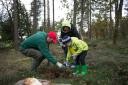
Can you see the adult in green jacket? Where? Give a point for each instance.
(77, 51)
(37, 47)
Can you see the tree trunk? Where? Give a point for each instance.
(89, 30)
(118, 16)
(48, 10)
(111, 22)
(44, 15)
(81, 23)
(53, 15)
(35, 19)
(15, 3)
(75, 10)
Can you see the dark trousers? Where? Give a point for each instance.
(80, 59)
(65, 49)
(36, 55)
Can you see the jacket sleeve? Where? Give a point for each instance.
(46, 53)
(79, 46)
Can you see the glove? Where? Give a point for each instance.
(66, 64)
(60, 39)
(74, 56)
(60, 65)
(62, 45)
(72, 66)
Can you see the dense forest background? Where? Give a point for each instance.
(102, 19)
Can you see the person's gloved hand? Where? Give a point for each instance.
(66, 64)
(60, 65)
(72, 66)
(74, 56)
(63, 45)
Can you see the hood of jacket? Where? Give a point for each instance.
(66, 23)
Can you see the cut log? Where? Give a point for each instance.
(33, 81)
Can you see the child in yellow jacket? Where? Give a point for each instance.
(77, 50)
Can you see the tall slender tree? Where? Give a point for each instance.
(75, 12)
(44, 15)
(53, 15)
(35, 19)
(118, 16)
(111, 21)
(35, 10)
(15, 4)
(48, 14)
(82, 13)
(90, 13)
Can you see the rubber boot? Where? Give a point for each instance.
(84, 70)
(77, 70)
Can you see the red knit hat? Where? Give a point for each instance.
(53, 36)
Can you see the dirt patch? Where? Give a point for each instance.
(52, 73)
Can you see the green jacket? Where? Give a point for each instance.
(77, 46)
(38, 41)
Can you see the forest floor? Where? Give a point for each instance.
(107, 65)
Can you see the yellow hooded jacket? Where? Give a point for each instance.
(77, 46)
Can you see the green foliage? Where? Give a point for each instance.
(6, 44)
(38, 7)
(24, 21)
(6, 24)
(6, 30)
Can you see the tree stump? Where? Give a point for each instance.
(33, 81)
